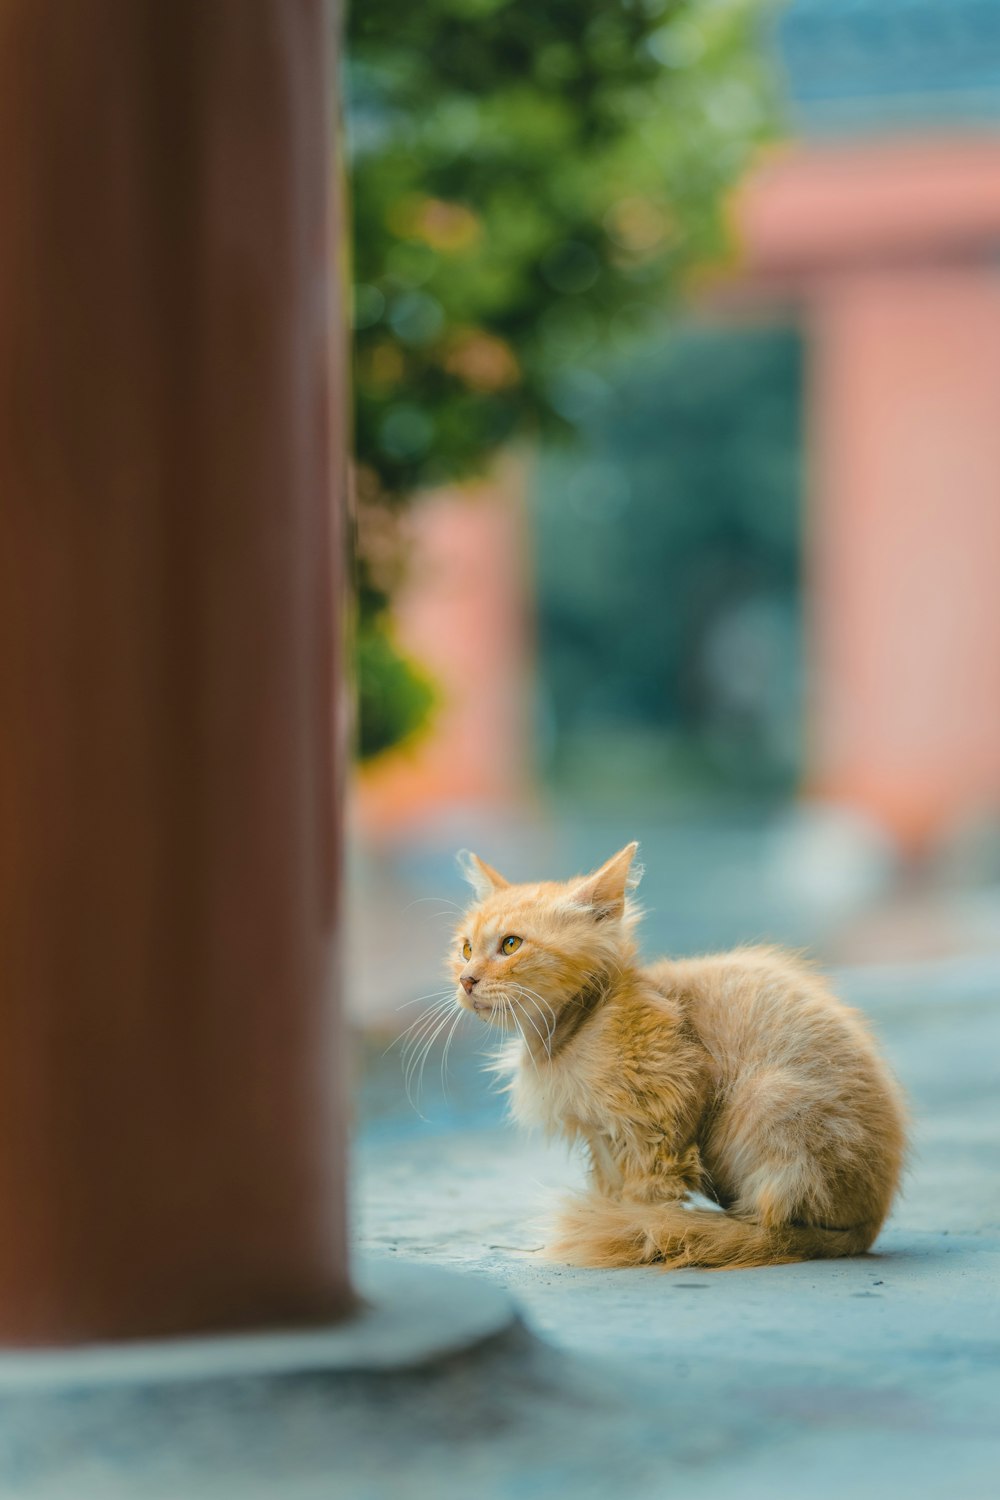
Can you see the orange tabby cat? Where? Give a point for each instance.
(738, 1076)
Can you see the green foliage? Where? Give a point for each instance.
(395, 697)
(533, 180)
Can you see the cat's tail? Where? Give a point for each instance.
(597, 1231)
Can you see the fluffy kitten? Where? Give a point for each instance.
(738, 1076)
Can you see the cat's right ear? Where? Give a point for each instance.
(605, 890)
(481, 876)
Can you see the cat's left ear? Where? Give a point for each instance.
(604, 890)
(481, 876)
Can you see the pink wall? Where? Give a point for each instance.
(904, 547)
(888, 250)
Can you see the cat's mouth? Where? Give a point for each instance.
(480, 1005)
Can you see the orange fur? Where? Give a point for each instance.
(739, 1076)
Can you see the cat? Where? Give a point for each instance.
(739, 1077)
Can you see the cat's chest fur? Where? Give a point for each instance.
(565, 1094)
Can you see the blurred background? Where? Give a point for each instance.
(677, 369)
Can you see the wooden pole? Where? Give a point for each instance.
(171, 1136)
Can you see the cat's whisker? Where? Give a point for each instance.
(439, 1004)
(436, 996)
(414, 1040)
(527, 990)
(516, 1013)
(420, 900)
(506, 1007)
(545, 1040)
(419, 1062)
(534, 995)
(444, 1055)
(431, 995)
(527, 1047)
(431, 1021)
(407, 1035)
(414, 1035)
(508, 1003)
(499, 1012)
(443, 1002)
(534, 1026)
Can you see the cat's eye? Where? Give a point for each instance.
(510, 944)
(467, 950)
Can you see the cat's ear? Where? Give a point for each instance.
(481, 876)
(604, 890)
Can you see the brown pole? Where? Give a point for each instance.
(171, 1141)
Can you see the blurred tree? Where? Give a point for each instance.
(532, 181)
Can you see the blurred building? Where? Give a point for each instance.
(881, 228)
(874, 234)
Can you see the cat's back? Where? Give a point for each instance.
(761, 1007)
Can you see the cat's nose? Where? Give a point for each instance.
(468, 984)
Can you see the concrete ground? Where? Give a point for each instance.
(872, 1377)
